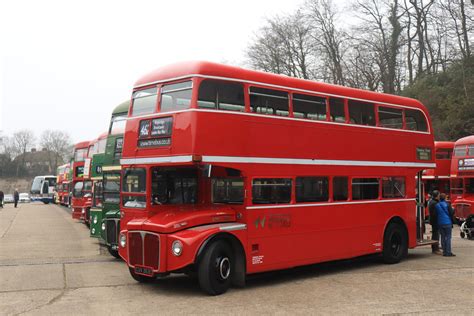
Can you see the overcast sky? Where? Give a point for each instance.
(66, 64)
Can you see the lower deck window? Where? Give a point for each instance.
(393, 187)
(340, 188)
(228, 191)
(312, 189)
(271, 191)
(365, 188)
(457, 186)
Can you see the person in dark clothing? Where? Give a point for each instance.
(434, 221)
(2, 196)
(445, 224)
(16, 197)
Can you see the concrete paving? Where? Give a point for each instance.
(50, 266)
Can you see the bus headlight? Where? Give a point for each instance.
(95, 219)
(103, 226)
(83, 210)
(123, 240)
(93, 231)
(177, 248)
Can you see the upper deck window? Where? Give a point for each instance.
(336, 110)
(460, 151)
(117, 125)
(415, 121)
(390, 117)
(340, 188)
(221, 95)
(309, 107)
(144, 101)
(267, 101)
(176, 96)
(470, 150)
(80, 154)
(361, 113)
(443, 153)
(101, 146)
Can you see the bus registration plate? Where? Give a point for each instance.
(144, 270)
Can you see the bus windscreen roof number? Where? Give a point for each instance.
(155, 133)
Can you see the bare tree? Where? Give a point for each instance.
(57, 145)
(327, 38)
(22, 141)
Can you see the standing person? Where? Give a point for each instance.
(434, 222)
(16, 197)
(445, 224)
(2, 196)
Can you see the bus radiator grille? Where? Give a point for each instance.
(152, 251)
(111, 232)
(135, 248)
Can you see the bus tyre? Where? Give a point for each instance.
(113, 252)
(395, 243)
(215, 270)
(141, 278)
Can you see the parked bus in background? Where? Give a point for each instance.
(105, 218)
(93, 172)
(462, 178)
(438, 178)
(62, 184)
(81, 190)
(228, 172)
(43, 189)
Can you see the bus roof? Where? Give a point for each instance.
(208, 69)
(442, 144)
(121, 108)
(82, 145)
(102, 136)
(468, 140)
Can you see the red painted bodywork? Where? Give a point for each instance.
(78, 204)
(463, 200)
(298, 235)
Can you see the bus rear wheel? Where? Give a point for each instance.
(215, 270)
(141, 278)
(113, 252)
(395, 243)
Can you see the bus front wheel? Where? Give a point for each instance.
(113, 252)
(395, 243)
(215, 270)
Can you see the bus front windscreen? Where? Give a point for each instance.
(112, 188)
(174, 186)
(36, 185)
(77, 191)
(80, 154)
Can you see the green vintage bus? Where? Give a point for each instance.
(105, 216)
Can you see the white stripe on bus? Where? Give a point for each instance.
(283, 161)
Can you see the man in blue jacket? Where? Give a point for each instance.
(445, 224)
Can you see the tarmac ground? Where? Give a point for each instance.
(50, 266)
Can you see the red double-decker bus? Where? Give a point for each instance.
(82, 189)
(438, 178)
(462, 178)
(62, 184)
(228, 172)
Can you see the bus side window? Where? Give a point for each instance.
(415, 121)
(394, 187)
(340, 188)
(361, 113)
(336, 110)
(222, 95)
(390, 117)
(312, 189)
(267, 101)
(309, 107)
(365, 188)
